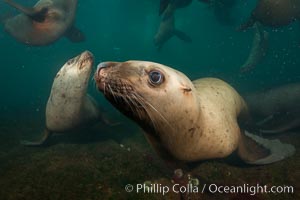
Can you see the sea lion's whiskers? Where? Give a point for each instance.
(127, 102)
(138, 105)
(118, 94)
(136, 108)
(151, 106)
(112, 92)
(134, 100)
(140, 100)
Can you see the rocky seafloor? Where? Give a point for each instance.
(98, 162)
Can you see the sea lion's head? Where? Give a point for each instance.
(76, 72)
(82, 63)
(153, 95)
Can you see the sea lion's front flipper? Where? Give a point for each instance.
(34, 14)
(181, 35)
(46, 135)
(75, 35)
(259, 151)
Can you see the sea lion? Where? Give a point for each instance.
(274, 13)
(44, 23)
(167, 7)
(277, 110)
(166, 31)
(69, 106)
(258, 50)
(189, 121)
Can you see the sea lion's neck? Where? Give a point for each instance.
(181, 125)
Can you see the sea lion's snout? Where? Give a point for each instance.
(101, 74)
(85, 59)
(102, 66)
(86, 55)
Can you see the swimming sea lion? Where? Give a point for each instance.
(189, 121)
(69, 106)
(277, 109)
(258, 50)
(274, 13)
(167, 30)
(168, 7)
(44, 23)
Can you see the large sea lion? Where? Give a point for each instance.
(258, 50)
(274, 13)
(44, 23)
(277, 109)
(167, 8)
(189, 121)
(69, 106)
(166, 31)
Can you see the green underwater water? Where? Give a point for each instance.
(121, 30)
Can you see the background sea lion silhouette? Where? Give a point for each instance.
(274, 13)
(44, 23)
(168, 7)
(167, 30)
(259, 49)
(277, 109)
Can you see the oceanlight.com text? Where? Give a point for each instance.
(211, 188)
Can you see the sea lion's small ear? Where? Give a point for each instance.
(185, 88)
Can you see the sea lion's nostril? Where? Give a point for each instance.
(102, 65)
(82, 65)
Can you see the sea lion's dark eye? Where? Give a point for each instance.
(156, 77)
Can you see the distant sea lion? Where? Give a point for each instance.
(167, 7)
(166, 31)
(258, 50)
(274, 13)
(277, 109)
(69, 106)
(44, 23)
(189, 121)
